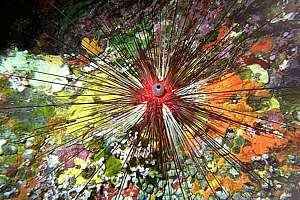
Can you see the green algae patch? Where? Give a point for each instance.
(113, 166)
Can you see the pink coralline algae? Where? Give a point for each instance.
(67, 155)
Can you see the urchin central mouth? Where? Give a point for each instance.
(158, 90)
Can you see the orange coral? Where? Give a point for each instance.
(237, 185)
(222, 32)
(260, 144)
(264, 46)
(240, 112)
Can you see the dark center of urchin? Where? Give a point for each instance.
(158, 89)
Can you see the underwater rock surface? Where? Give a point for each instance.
(85, 122)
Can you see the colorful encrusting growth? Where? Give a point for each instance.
(191, 100)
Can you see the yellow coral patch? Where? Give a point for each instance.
(195, 188)
(91, 46)
(74, 172)
(70, 172)
(274, 103)
(263, 74)
(54, 60)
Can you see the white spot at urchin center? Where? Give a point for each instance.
(158, 89)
